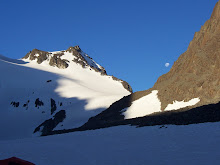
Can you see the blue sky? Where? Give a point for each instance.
(132, 39)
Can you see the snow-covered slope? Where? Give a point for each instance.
(123, 145)
(150, 104)
(32, 93)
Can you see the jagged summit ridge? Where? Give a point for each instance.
(62, 60)
(57, 58)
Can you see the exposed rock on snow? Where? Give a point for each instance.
(62, 59)
(50, 124)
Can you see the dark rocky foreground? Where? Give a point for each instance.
(202, 114)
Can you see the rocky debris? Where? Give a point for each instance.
(47, 126)
(53, 106)
(15, 104)
(38, 103)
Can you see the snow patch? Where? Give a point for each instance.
(150, 104)
(67, 56)
(143, 106)
(181, 104)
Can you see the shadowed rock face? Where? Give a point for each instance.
(50, 124)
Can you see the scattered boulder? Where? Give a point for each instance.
(38, 103)
(15, 104)
(53, 106)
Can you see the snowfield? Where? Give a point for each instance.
(143, 106)
(123, 145)
(150, 104)
(81, 92)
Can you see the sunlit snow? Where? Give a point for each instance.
(181, 104)
(143, 106)
(150, 104)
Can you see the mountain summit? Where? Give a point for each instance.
(62, 59)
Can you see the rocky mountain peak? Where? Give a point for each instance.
(196, 72)
(62, 60)
(216, 11)
(75, 48)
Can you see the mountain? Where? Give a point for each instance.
(188, 93)
(48, 91)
